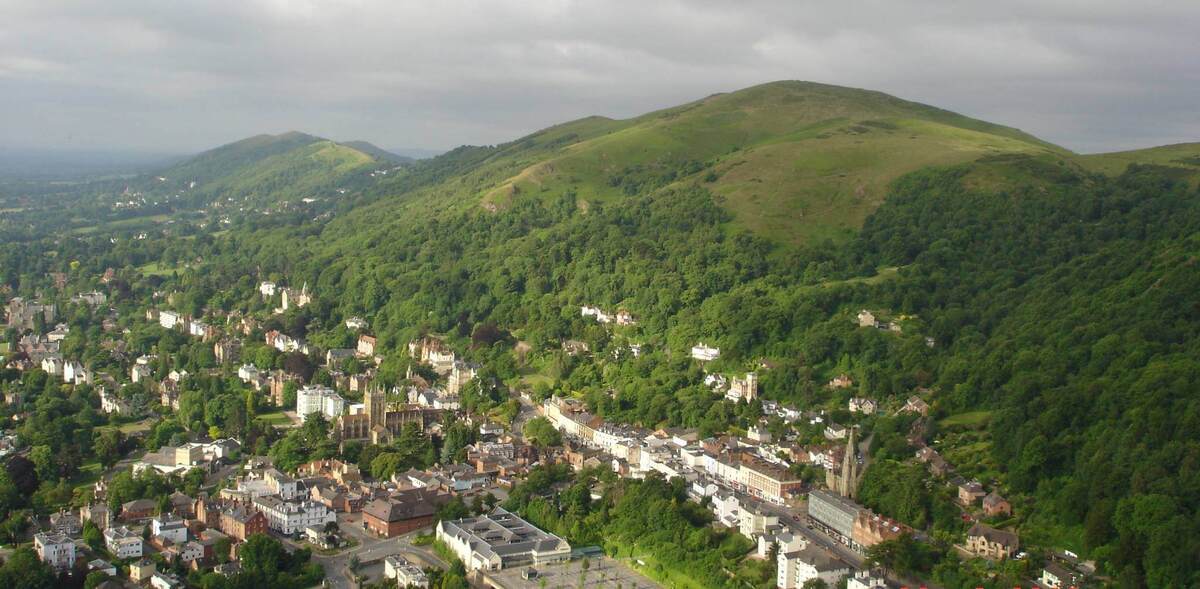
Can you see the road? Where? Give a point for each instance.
(369, 549)
(528, 411)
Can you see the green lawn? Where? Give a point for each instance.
(137, 426)
(89, 473)
(968, 420)
(156, 269)
(276, 419)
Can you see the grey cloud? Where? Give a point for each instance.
(187, 75)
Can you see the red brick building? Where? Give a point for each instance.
(242, 522)
(403, 512)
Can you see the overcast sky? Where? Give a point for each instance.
(179, 76)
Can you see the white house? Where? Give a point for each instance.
(191, 551)
(122, 542)
(796, 568)
(247, 372)
(52, 365)
(267, 289)
(861, 405)
(56, 550)
(291, 518)
(170, 528)
(75, 373)
(867, 579)
(704, 353)
(835, 431)
(405, 573)
(111, 403)
(168, 319)
(160, 580)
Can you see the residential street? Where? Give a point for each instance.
(369, 550)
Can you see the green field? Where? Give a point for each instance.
(275, 419)
(137, 426)
(157, 269)
(89, 473)
(967, 420)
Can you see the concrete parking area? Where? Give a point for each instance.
(602, 572)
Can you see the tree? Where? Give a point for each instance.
(94, 579)
(453, 509)
(904, 555)
(541, 433)
(221, 549)
(43, 461)
(261, 554)
(23, 473)
(24, 570)
(92, 536)
(386, 464)
(108, 446)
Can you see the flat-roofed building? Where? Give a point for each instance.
(833, 513)
(404, 572)
(501, 540)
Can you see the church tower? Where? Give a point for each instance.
(375, 401)
(848, 481)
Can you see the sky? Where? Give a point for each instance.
(182, 76)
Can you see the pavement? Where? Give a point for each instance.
(370, 550)
(528, 411)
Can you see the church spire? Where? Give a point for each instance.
(847, 483)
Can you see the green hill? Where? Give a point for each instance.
(1182, 158)
(377, 152)
(267, 168)
(793, 161)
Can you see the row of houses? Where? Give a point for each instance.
(634, 451)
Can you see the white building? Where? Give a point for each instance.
(191, 551)
(787, 541)
(405, 573)
(168, 319)
(867, 579)
(595, 312)
(56, 550)
(267, 289)
(704, 353)
(272, 482)
(861, 405)
(123, 542)
(160, 580)
(291, 518)
(247, 372)
(111, 403)
(52, 365)
(170, 528)
(796, 568)
(198, 328)
(75, 373)
(501, 540)
(319, 399)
